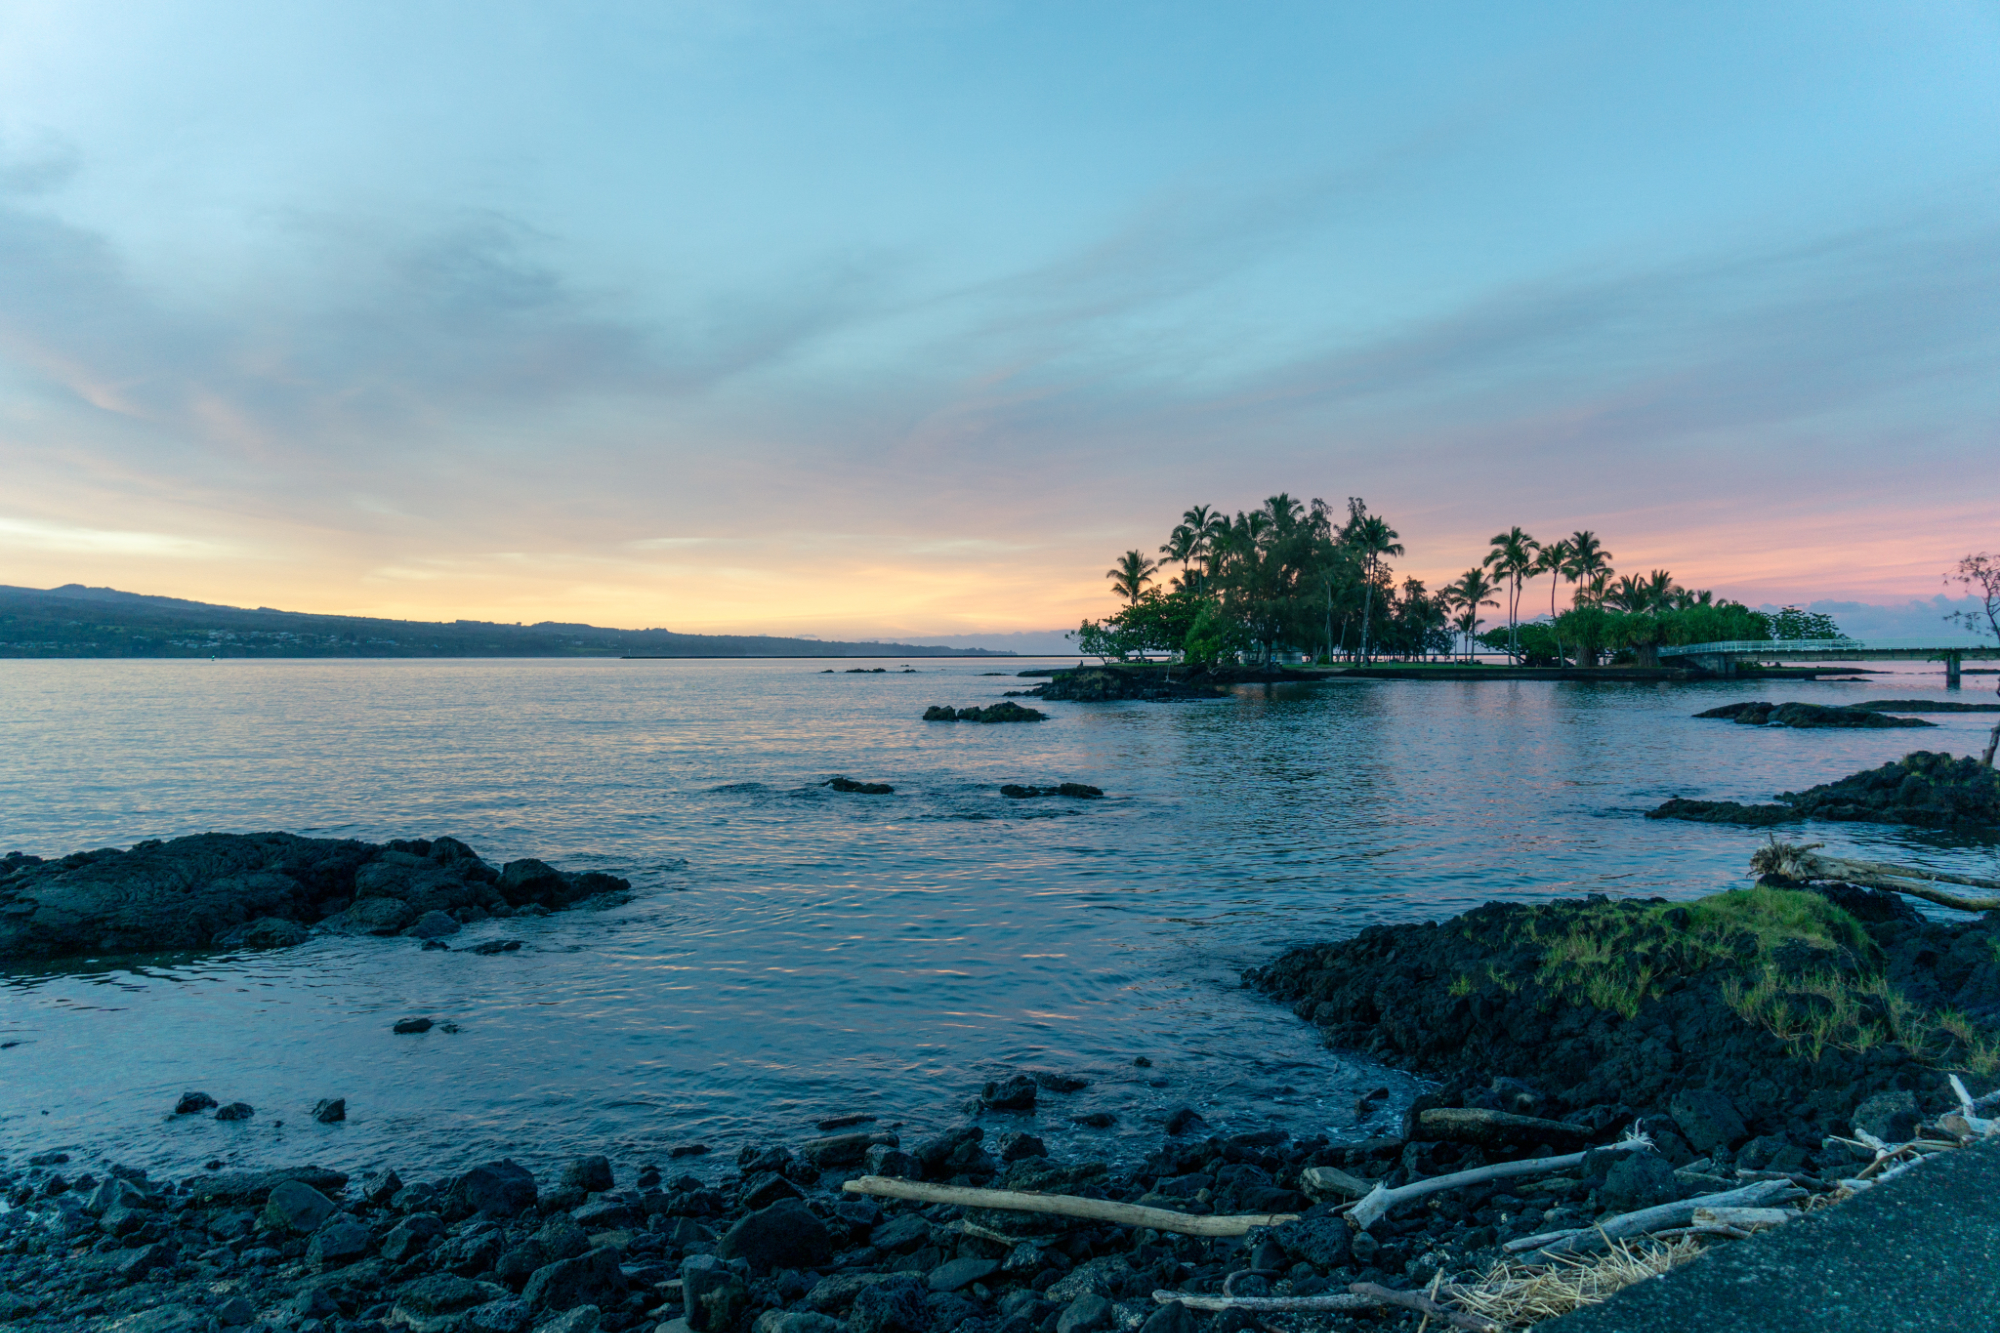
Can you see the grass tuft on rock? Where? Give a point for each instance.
(1791, 962)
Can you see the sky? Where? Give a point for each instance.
(906, 319)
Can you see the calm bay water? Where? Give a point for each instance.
(789, 953)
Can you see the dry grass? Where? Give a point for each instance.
(1518, 1295)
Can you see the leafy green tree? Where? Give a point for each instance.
(1792, 622)
(1589, 630)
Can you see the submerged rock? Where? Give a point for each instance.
(861, 788)
(263, 890)
(1110, 684)
(1922, 788)
(1075, 790)
(1000, 712)
(1762, 712)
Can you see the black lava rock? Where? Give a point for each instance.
(784, 1235)
(494, 1189)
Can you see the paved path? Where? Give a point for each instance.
(1920, 1253)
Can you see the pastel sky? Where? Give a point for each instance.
(854, 318)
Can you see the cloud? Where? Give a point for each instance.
(384, 332)
(28, 535)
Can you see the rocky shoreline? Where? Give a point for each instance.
(1923, 788)
(267, 890)
(1554, 1028)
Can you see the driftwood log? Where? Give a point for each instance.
(1758, 1194)
(1359, 1296)
(1802, 863)
(1380, 1200)
(1489, 1129)
(1067, 1205)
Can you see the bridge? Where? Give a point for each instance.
(1722, 657)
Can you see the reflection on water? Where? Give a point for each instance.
(791, 953)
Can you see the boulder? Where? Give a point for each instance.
(882, 1160)
(297, 1207)
(254, 1187)
(894, 1306)
(1321, 1241)
(591, 1175)
(1707, 1119)
(117, 1193)
(341, 1241)
(191, 1102)
(796, 1321)
(331, 1111)
(1014, 1146)
(711, 1295)
(1085, 1314)
(236, 1111)
(766, 1188)
(956, 1273)
(509, 1314)
(1014, 1094)
(1638, 1180)
(434, 925)
(593, 1278)
(495, 1189)
(136, 1264)
(531, 881)
(561, 1238)
(369, 916)
(1173, 1317)
(852, 787)
(426, 1304)
(784, 1235)
(583, 1319)
(266, 932)
(411, 1237)
(381, 1187)
(1890, 1116)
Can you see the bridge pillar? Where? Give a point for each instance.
(1952, 679)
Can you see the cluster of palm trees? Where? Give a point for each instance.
(1288, 573)
(1513, 558)
(1303, 575)
(1607, 610)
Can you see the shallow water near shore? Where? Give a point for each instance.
(789, 953)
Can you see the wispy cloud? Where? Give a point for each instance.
(24, 535)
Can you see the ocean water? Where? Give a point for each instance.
(789, 953)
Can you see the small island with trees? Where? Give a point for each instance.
(1303, 583)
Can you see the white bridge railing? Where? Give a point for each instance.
(1738, 646)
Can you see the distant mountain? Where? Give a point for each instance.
(75, 621)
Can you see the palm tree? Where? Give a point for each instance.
(1130, 576)
(1628, 594)
(1472, 591)
(1513, 559)
(1371, 536)
(1553, 560)
(1192, 541)
(1661, 591)
(1587, 559)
